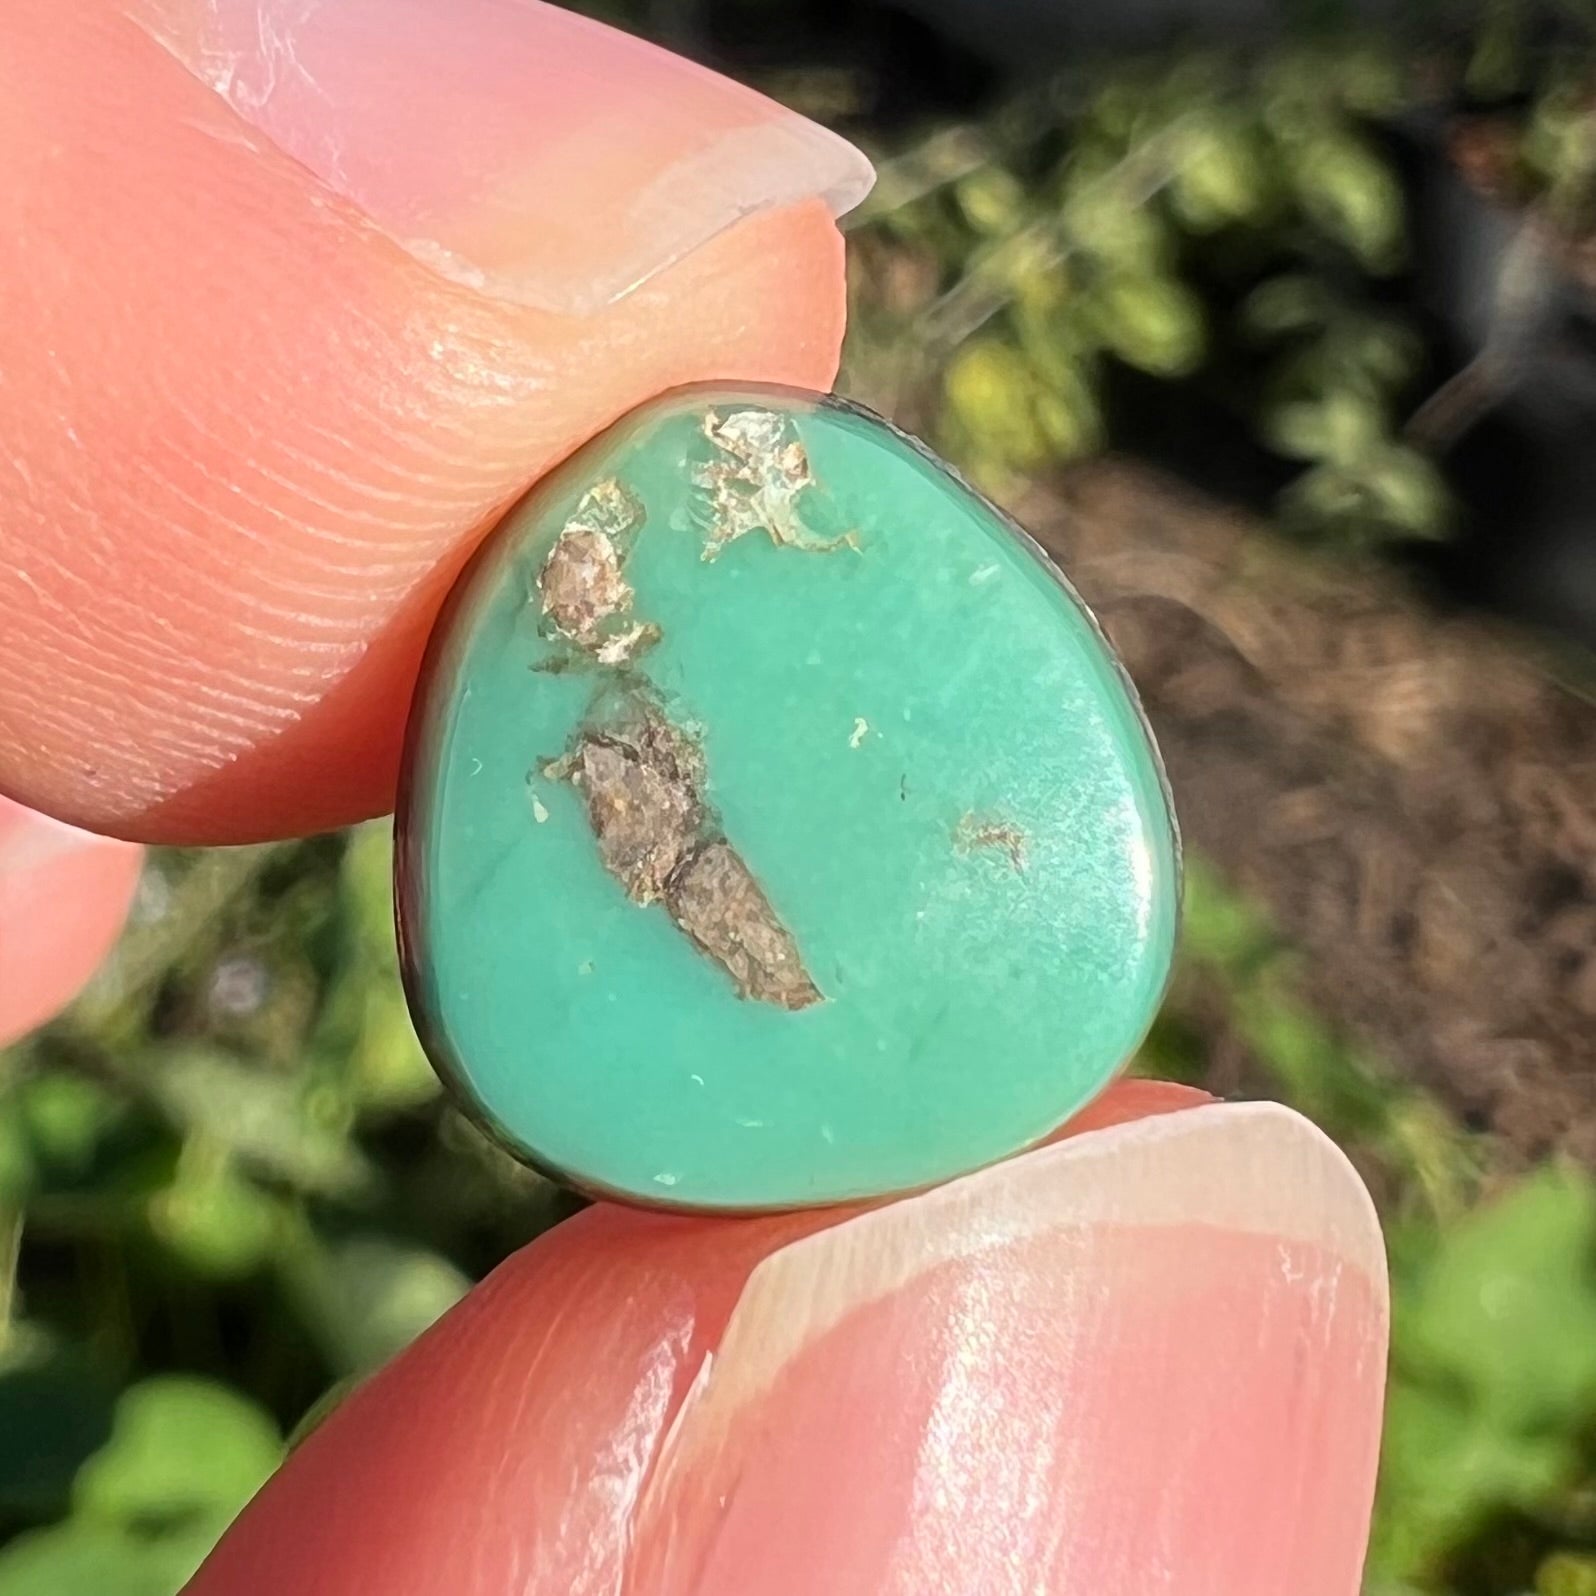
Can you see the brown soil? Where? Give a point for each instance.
(1409, 795)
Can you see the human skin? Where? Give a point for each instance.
(64, 895)
(293, 309)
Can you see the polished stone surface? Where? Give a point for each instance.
(777, 826)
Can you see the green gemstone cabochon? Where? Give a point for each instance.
(900, 727)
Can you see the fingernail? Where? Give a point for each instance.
(533, 154)
(1150, 1358)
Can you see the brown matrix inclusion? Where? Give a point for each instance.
(642, 778)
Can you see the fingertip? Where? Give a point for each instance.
(1146, 1358)
(1131, 1098)
(64, 896)
(260, 436)
(1156, 1348)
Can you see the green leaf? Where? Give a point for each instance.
(1409, 492)
(1069, 418)
(179, 1446)
(1300, 429)
(983, 379)
(366, 874)
(1507, 1310)
(1338, 427)
(1222, 926)
(1443, 1469)
(1350, 192)
(1152, 323)
(55, 1411)
(364, 1045)
(220, 1222)
(18, 1167)
(1106, 223)
(1369, 78)
(1290, 303)
(1494, 1369)
(64, 1117)
(993, 201)
(1222, 177)
(1381, 350)
(389, 1067)
(265, 1120)
(1567, 1574)
(367, 1297)
(991, 397)
(84, 1558)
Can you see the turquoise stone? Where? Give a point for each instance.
(777, 825)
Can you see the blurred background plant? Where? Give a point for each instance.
(1335, 283)
(1205, 219)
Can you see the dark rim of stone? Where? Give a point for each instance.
(409, 919)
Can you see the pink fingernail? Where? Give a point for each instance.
(533, 154)
(1147, 1359)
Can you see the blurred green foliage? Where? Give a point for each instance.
(229, 1186)
(1222, 220)
(182, 1456)
(1494, 1387)
(237, 1189)
(1231, 225)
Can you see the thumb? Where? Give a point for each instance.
(1148, 1357)
(294, 299)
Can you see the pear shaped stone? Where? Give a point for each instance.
(777, 826)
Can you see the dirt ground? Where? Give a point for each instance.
(1411, 795)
